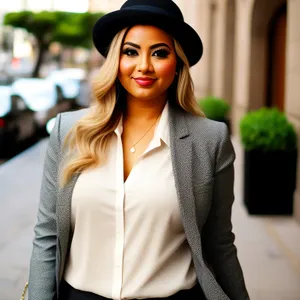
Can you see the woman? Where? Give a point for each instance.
(137, 203)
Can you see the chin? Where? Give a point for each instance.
(145, 96)
(149, 98)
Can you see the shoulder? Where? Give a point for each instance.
(68, 119)
(71, 117)
(206, 130)
(211, 139)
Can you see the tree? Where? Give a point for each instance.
(69, 29)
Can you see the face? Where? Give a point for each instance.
(147, 63)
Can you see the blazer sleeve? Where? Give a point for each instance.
(217, 235)
(42, 285)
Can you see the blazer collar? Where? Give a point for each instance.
(177, 121)
(182, 159)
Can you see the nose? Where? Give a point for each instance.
(145, 64)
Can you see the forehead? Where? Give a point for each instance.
(147, 34)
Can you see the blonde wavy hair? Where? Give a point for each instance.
(88, 139)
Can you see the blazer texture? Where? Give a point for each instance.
(202, 159)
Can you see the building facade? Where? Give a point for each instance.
(251, 56)
(105, 6)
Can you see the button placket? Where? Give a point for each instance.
(119, 232)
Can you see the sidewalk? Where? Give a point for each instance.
(268, 248)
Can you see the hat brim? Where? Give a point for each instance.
(110, 24)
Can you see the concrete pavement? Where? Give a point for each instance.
(268, 248)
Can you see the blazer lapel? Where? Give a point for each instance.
(182, 157)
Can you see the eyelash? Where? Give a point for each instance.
(163, 52)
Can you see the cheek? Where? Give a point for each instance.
(166, 70)
(126, 67)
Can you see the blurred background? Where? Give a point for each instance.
(248, 78)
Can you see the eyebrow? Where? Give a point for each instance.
(151, 47)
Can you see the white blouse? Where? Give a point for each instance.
(128, 240)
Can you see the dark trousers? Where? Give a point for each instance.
(67, 292)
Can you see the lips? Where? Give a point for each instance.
(144, 81)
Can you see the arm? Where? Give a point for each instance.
(42, 284)
(218, 239)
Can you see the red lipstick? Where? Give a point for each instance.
(144, 81)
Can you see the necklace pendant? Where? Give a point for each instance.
(132, 149)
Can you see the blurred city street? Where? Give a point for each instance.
(268, 247)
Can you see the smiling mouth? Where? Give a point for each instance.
(144, 81)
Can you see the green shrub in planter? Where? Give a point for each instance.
(214, 108)
(270, 161)
(267, 129)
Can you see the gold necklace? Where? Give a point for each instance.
(132, 149)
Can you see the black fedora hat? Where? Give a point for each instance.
(164, 14)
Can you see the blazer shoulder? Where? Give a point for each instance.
(211, 137)
(205, 129)
(69, 119)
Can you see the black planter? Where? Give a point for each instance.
(269, 182)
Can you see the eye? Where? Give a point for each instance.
(161, 53)
(130, 52)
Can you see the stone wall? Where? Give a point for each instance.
(292, 105)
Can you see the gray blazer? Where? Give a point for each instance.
(202, 159)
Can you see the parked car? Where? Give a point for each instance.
(26, 106)
(68, 83)
(17, 125)
(5, 107)
(19, 67)
(37, 95)
(50, 125)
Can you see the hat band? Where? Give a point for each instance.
(148, 8)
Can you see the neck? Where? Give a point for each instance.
(137, 111)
